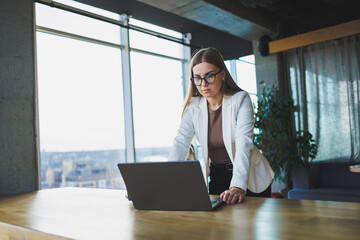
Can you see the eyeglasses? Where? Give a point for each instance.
(209, 78)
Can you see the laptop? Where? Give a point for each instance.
(177, 186)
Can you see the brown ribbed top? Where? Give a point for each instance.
(217, 150)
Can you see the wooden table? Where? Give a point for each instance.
(80, 213)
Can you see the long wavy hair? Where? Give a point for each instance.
(213, 56)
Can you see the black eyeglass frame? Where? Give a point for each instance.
(192, 79)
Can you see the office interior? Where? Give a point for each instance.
(233, 27)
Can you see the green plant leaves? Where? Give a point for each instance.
(276, 139)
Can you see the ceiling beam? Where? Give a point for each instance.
(321, 35)
(228, 16)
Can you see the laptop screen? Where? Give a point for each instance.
(166, 185)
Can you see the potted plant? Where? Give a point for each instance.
(274, 135)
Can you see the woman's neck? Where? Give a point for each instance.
(215, 102)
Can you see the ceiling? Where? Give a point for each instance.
(300, 16)
(230, 25)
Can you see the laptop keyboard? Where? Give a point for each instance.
(215, 202)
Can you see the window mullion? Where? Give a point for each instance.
(233, 71)
(128, 108)
(186, 64)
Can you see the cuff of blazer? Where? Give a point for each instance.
(239, 184)
(239, 188)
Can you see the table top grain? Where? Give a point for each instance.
(84, 213)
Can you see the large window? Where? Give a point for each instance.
(80, 92)
(80, 113)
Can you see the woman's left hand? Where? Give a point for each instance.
(233, 195)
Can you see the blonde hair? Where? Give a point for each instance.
(213, 56)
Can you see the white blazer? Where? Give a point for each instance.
(250, 168)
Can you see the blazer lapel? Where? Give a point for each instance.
(203, 127)
(227, 127)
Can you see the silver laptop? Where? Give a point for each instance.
(167, 186)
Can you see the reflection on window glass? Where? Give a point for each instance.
(80, 113)
(157, 101)
(62, 20)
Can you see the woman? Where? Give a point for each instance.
(220, 114)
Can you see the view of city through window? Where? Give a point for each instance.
(81, 101)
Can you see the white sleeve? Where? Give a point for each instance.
(243, 144)
(183, 139)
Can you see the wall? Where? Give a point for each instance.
(266, 68)
(18, 145)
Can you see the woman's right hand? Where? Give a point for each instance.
(232, 196)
